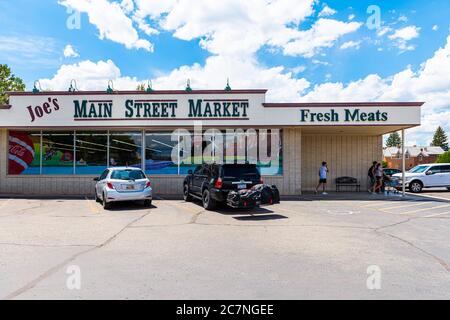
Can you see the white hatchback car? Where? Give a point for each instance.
(427, 176)
(123, 184)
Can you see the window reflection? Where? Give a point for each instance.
(161, 153)
(91, 152)
(125, 149)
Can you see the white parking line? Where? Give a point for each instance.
(377, 203)
(437, 214)
(404, 206)
(425, 209)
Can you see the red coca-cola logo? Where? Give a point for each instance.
(17, 150)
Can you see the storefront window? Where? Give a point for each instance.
(24, 155)
(125, 149)
(57, 152)
(91, 152)
(161, 153)
(167, 152)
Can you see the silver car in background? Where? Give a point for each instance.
(123, 184)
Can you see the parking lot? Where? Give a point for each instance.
(304, 248)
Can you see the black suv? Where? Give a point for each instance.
(212, 182)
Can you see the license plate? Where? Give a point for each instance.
(242, 186)
(130, 187)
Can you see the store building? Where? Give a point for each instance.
(54, 143)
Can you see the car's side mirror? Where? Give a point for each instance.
(429, 172)
(189, 171)
(96, 179)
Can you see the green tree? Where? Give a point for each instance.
(140, 87)
(393, 140)
(444, 158)
(440, 139)
(8, 82)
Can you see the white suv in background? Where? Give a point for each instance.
(427, 176)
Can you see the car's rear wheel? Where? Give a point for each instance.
(208, 202)
(147, 203)
(106, 205)
(416, 186)
(186, 193)
(97, 199)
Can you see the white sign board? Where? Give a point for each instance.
(45, 110)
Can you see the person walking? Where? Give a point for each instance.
(378, 177)
(323, 172)
(371, 175)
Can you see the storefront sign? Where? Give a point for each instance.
(345, 114)
(177, 109)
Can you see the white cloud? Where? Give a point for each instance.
(435, 27)
(298, 69)
(403, 35)
(406, 33)
(127, 5)
(351, 17)
(227, 27)
(111, 20)
(383, 30)
(403, 19)
(327, 11)
(240, 28)
(429, 84)
(89, 76)
(69, 52)
(323, 33)
(323, 63)
(242, 74)
(351, 44)
(235, 27)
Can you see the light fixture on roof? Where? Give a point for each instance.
(228, 88)
(73, 86)
(35, 88)
(110, 88)
(149, 86)
(188, 85)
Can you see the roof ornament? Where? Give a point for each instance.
(228, 88)
(188, 85)
(35, 88)
(73, 86)
(149, 86)
(110, 88)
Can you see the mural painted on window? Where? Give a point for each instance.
(57, 153)
(24, 152)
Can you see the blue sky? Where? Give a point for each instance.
(298, 49)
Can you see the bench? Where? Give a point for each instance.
(347, 182)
